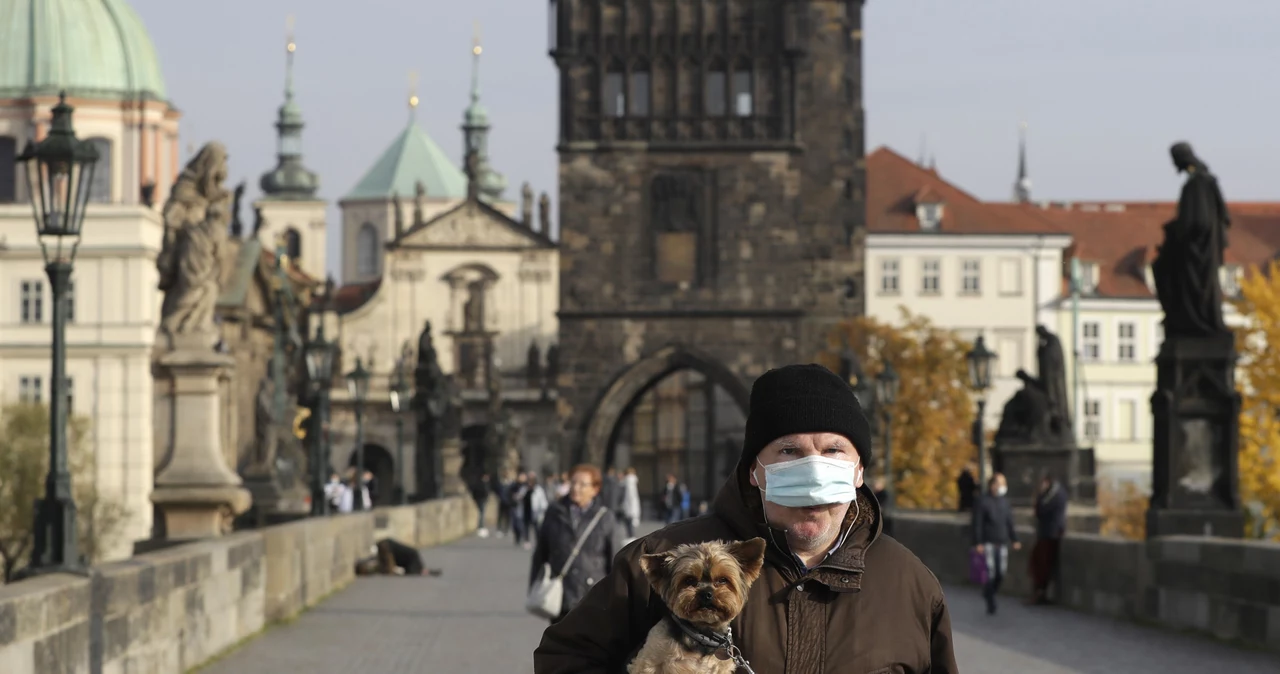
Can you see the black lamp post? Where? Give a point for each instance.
(851, 371)
(887, 384)
(399, 393)
(980, 380)
(358, 387)
(318, 354)
(59, 173)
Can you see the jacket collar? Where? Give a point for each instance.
(740, 505)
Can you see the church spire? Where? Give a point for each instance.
(475, 134)
(290, 180)
(1022, 187)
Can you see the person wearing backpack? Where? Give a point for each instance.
(577, 541)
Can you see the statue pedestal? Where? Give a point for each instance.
(1023, 464)
(197, 492)
(1194, 476)
(451, 459)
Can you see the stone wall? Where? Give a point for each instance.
(168, 611)
(1227, 588)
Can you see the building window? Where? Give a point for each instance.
(971, 277)
(29, 390)
(930, 277)
(292, 244)
(615, 96)
(367, 250)
(743, 105)
(640, 91)
(1092, 420)
(32, 304)
(100, 188)
(715, 93)
(889, 276)
(8, 169)
(1090, 341)
(1127, 343)
(929, 215)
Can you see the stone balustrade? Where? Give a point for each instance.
(1226, 588)
(168, 611)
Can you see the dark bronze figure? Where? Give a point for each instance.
(1186, 269)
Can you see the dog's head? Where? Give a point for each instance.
(705, 583)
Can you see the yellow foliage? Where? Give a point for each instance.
(1124, 510)
(1259, 382)
(933, 414)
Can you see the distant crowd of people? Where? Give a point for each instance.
(341, 492)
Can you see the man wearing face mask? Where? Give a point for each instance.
(835, 595)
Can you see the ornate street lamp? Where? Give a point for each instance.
(887, 384)
(399, 394)
(318, 355)
(980, 380)
(358, 387)
(851, 371)
(59, 173)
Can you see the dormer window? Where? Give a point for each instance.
(1088, 280)
(1229, 277)
(930, 215)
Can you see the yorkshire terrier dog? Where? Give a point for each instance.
(705, 586)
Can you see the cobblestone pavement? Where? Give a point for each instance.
(472, 620)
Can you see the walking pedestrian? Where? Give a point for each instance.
(1051, 526)
(993, 535)
(519, 523)
(579, 521)
(480, 494)
(834, 595)
(631, 502)
(538, 502)
(670, 503)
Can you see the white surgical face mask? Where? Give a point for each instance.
(811, 481)
(1001, 491)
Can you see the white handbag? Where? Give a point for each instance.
(546, 597)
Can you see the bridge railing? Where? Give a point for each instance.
(1226, 588)
(174, 609)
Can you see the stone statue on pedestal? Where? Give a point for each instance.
(438, 415)
(1196, 407)
(196, 490)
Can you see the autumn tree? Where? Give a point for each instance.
(1259, 382)
(24, 463)
(933, 414)
(1122, 507)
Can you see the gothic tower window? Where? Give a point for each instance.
(100, 188)
(639, 89)
(743, 91)
(663, 103)
(687, 83)
(615, 94)
(8, 169)
(715, 94)
(367, 250)
(679, 216)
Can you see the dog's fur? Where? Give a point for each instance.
(705, 585)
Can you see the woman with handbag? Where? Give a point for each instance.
(576, 544)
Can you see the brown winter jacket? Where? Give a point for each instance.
(871, 608)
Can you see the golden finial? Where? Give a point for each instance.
(475, 40)
(288, 31)
(413, 89)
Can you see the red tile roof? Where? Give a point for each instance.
(352, 296)
(895, 185)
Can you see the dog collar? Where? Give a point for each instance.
(721, 645)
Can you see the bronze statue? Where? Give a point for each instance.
(552, 371)
(533, 365)
(473, 308)
(196, 219)
(419, 202)
(1052, 369)
(1026, 415)
(397, 214)
(526, 205)
(237, 227)
(1186, 269)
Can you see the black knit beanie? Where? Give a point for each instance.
(804, 399)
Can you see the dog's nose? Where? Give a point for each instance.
(705, 597)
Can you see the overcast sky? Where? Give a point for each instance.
(1105, 85)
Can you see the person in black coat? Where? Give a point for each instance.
(993, 534)
(565, 522)
(1051, 526)
(967, 488)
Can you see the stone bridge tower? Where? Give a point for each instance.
(711, 194)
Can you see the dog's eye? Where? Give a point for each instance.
(690, 582)
(722, 581)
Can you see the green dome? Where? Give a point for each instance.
(90, 48)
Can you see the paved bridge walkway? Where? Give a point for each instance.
(471, 620)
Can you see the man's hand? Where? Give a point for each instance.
(978, 548)
(1017, 545)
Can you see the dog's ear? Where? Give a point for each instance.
(750, 556)
(657, 568)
